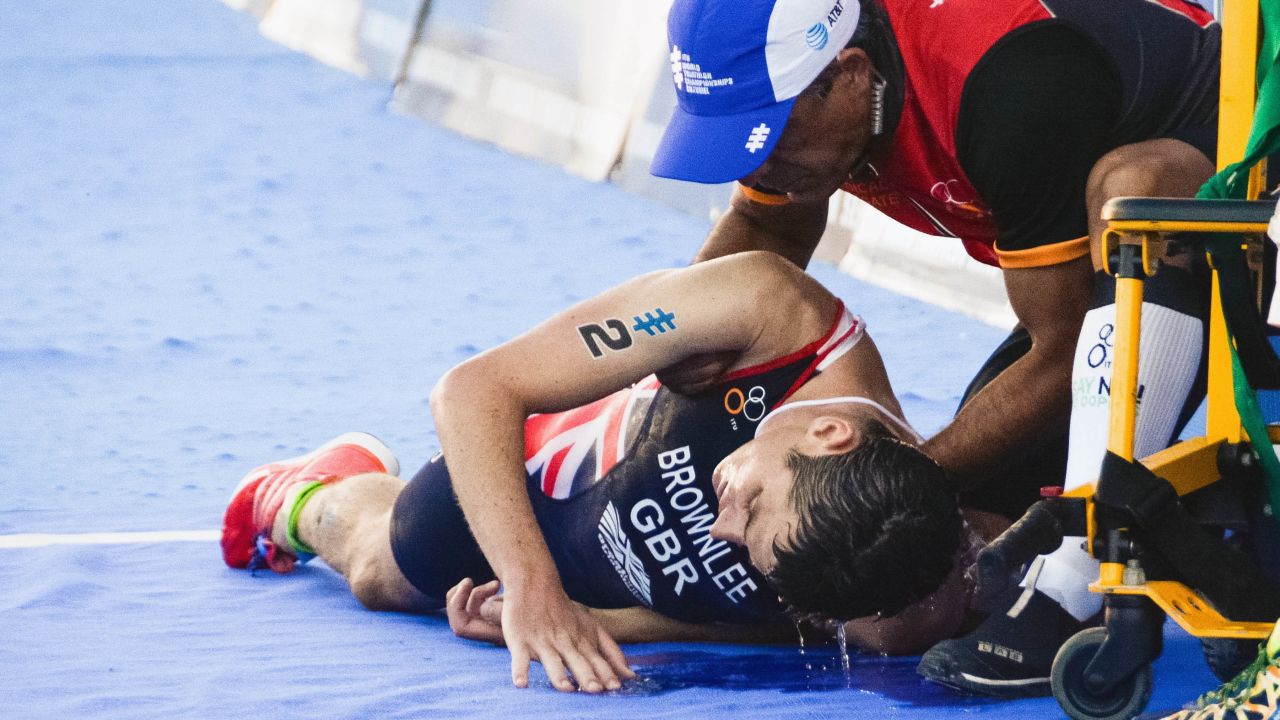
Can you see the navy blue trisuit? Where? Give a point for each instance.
(621, 489)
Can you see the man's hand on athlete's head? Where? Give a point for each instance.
(565, 639)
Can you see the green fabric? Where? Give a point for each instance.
(1264, 138)
(1235, 691)
(1251, 418)
(1232, 183)
(1230, 693)
(295, 512)
(1246, 399)
(1273, 643)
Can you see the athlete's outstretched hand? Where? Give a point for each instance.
(541, 623)
(475, 611)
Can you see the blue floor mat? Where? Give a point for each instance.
(215, 252)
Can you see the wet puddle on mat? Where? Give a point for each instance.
(820, 668)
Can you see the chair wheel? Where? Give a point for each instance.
(1121, 702)
(1227, 657)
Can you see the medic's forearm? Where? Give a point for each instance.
(1031, 397)
(792, 231)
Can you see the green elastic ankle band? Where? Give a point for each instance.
(291, 531)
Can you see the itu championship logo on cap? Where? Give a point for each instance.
(677, 67)
(689, 76)
(817, 36)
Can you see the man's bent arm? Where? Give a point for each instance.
(1032, 395)
(791, 230)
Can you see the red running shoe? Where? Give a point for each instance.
(246, 526)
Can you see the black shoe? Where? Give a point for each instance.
(1009, 655)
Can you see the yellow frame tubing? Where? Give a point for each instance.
(1237, 97)
(1190, 464)
(1124, 371)
(1195, 226)
(1238, 86)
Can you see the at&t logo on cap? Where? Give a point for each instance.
(817, 36)
(737, 68)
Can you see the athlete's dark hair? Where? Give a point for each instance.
(878, 530)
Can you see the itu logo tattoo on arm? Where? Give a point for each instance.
(614, 335)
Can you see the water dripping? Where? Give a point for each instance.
(843, 644)
(800, 632)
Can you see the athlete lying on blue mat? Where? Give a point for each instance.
(651, 464)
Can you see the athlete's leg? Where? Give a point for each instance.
(400, 545)
(430, 540)
(348, 525)
(343, 503)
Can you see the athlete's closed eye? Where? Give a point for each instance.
(752, 506)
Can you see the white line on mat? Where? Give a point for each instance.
(31, 540)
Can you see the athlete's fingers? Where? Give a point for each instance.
(581, 667)
(520, 666)
(491, 610)
(448, 596)
(550, 660)
(478, 595)
(613, 653)
(490, 633)
(600, 665)
(456, 606)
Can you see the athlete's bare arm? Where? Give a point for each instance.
(642, 625)
(1032, 393)
(791, 230)
(592, 349)
(475, 613)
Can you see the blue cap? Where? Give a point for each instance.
(738, 66)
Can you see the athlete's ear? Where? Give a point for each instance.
(830, 434)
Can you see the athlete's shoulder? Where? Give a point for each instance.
(769, 270)
(785, 306)
(769, 283)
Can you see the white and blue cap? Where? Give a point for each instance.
(738, 66)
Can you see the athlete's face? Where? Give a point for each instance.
(753, 486)
(826, 135)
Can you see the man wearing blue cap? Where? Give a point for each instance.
(1005, 124)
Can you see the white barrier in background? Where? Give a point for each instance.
(328, 30)
(554, 81)
(257, 8)
(868, 245)
(584, 84)
(366, 37)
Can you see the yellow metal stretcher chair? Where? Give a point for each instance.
(1156, 558)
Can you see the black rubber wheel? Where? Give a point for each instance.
(1227, 657)
(1121, 702)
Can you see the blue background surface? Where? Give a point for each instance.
(215, 252)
